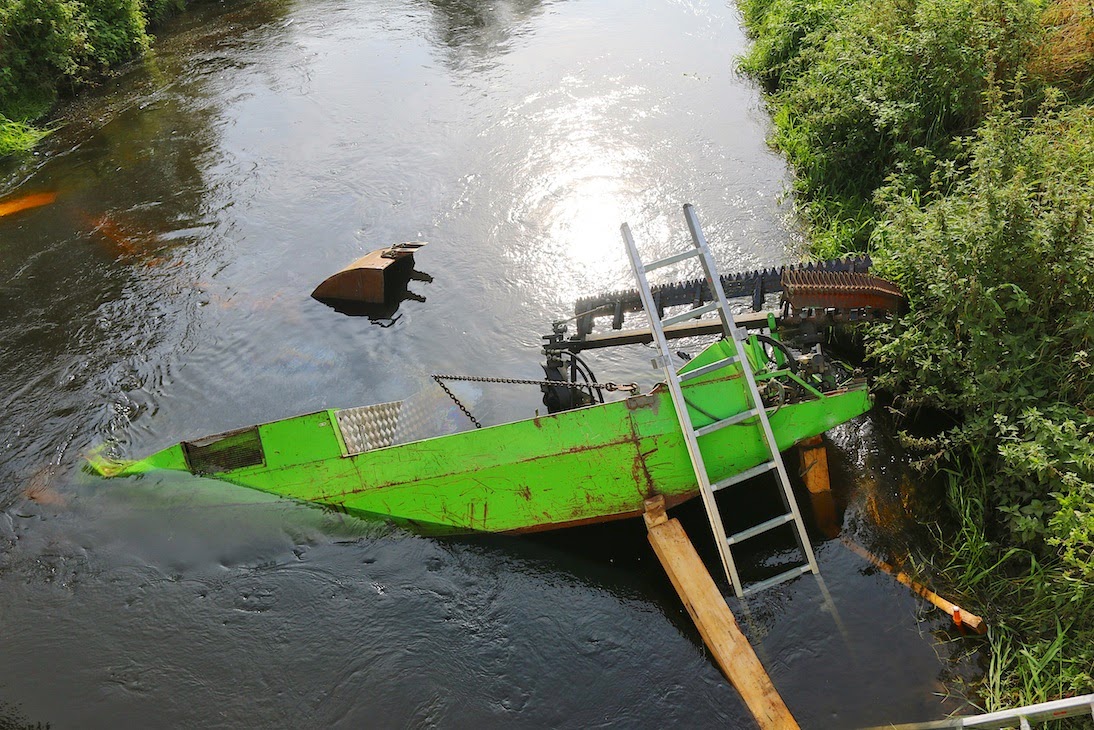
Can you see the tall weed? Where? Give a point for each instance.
(997, 260)
(1065, 57)
(999, 272)
(780, 29)
(868, 89)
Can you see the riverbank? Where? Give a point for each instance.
(53, 48)
(955, 142)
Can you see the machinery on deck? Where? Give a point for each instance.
(815, 298)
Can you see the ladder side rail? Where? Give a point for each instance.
(713, 281)
(736, 335)
(699, 466)
(1080, 705)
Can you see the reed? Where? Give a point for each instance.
(1065, 56)
(18, 137)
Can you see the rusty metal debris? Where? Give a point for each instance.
(841, 290)
(373, 278)
(754, 284)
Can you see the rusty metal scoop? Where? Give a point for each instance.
(371, 278)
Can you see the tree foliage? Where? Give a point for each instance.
(54, 47)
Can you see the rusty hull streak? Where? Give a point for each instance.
(669, 502)
(639, 471)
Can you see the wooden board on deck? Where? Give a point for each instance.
(749, 320)
(714, 620)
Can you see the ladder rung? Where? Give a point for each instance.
(760, 528)
(719, 425)
(791, 574)
(690, 314)
(746, 474)
(716, 365)
(668, 260)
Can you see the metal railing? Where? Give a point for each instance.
(1021, 717)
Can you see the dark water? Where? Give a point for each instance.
(203, 194)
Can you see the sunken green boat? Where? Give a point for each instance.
(580, 466)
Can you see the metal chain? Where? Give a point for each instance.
(457, 401)
(610, 387)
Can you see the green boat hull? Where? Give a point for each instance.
(576, 467)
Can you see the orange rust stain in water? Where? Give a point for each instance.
(40, 488)
(26, 202)
(125, 240)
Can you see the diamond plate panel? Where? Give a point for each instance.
(423, 415)
(369, 427)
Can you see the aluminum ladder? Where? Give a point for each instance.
(738, 336)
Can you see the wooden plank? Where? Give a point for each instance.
(750, 320)
(711, 614)
(961, 617)
(814, 472)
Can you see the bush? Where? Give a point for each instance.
(780, 28)
(52, 47)
(982, 207)
(873, 88)
(39, 40)
(999, 271)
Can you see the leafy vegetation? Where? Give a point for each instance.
(999, 263)
(954, 139)
(50, 48)
(880, 88)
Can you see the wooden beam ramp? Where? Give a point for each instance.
(711, 614)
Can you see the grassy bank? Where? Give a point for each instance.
(53, 48)
(954, 139)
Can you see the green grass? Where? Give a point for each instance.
(17, 137)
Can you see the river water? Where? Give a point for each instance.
(203, 193)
